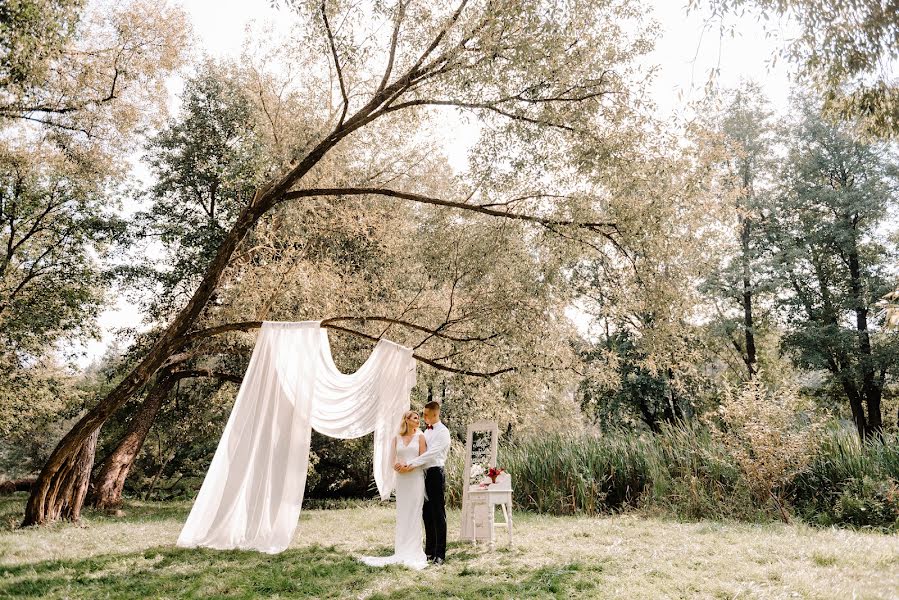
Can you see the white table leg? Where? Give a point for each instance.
(507, 516)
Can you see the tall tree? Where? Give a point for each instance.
(206, 166)
(747, 132)
(75, 85)
(646, 354)
(538, 75)
(826, 227)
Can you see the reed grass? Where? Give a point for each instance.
(683, 472)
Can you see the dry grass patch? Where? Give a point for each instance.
(625, 556)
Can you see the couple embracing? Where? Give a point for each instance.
(418, 459)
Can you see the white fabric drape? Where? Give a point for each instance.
(253, 491)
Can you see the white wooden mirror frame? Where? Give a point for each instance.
(491, 428)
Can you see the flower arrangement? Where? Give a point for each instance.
(480, 472)
(494, 472)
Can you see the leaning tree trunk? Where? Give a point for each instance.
(54, 488)
(57, 492)
(109, 480)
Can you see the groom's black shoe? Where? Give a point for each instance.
(438, 561)
(430, 558)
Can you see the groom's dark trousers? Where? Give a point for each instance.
(434, 514)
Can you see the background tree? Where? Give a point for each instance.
(205, 166)
(747, 132)
(827, 231)
(55, 214)
(75, 88)
(648, 354)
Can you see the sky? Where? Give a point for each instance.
(689, 49)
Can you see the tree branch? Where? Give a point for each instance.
(188, 373)
(439, 37)
(330, 324)
(400, 13)
(491, 106)
(598, 226)
(346, 100)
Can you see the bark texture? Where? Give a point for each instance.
(109, 479)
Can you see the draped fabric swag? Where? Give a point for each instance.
(253, 491)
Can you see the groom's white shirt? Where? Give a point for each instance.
(438, 440)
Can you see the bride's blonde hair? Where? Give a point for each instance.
(404, 426)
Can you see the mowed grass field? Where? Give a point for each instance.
(622, 556)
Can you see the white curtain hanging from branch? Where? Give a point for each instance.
(253, 491)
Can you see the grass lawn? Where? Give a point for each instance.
(626, 556)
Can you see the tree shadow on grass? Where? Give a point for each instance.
(573, 580)
(312, 572)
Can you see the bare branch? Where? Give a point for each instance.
(400, 13)
(598, 226)
(491, 106)
(346, 100)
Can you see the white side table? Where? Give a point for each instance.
(483, 506)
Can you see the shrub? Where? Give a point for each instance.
(763, 430)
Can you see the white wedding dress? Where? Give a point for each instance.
(410, 496)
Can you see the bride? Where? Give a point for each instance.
(410, 494)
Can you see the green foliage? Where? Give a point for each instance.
(180, 446)
(89, 73)
(680, 470)
(342, 468)
(32, 34)
(845, 49)
(57, 226)
(207, 164)
(851, 482)
(639, 396)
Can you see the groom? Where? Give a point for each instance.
(437, 437)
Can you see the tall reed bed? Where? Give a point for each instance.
(851, 482)
(683, 471)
